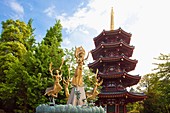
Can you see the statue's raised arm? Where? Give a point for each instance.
(61, 64)
(87, 55)
(50, 69)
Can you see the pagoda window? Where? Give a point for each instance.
(102, 42)
(111, 40)
(120, 87)
(112, 54)
(104, 69)
(122, 54)
(111, 108)
(117, 39)
(100, 56)
(126, 54)
(107, 54)
(117, 69)
(111, 69)
(121, 40)
(116, 54)
(121, 108)
(111, 84)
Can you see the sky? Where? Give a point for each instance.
(147, 20)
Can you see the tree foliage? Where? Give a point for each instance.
(157, 87)
(24, 72)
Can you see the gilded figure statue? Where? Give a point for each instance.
(97, 82)
(66, 85)
(79, 55)
(56, 88)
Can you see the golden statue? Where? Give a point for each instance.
(66, 84)
(79, 54)
(92, 95)
(56, 88)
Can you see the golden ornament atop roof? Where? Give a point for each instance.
(112, 20)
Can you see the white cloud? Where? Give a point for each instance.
(66, 42)
(148, 21)
(50, 11)
(17, 8)
(78, 37)
(97, 15)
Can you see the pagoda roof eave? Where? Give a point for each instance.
(133, 94)
(118, 75)
(132, 97)
(111, 32)
(105, 45)
(110, 59)
(124, 77)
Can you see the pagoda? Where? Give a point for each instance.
(112, 58)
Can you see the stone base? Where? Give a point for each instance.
(73, 97)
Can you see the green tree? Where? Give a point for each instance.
(156, 86)
(49, 50)
(162, 80)
(24, 65)
(13, 48)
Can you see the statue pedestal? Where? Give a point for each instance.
(75, 98)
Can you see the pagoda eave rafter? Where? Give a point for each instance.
(113, 32)
(127, 79)
(111, 45)
(128, 96)
(112, 59)
(118, 75)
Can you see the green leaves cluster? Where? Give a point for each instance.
(157, 87)
(24, 74)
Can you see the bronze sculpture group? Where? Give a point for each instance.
(76, 81)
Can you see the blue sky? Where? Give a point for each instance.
(82, 20)
(42, 12)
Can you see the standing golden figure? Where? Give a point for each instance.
(56, 88)
(79, 55)
(92, 95)
(66, 84)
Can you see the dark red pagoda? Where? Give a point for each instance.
(112, 58)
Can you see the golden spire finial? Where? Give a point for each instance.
(112, 20)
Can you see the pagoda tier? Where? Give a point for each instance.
(115, 102)
(112, 36)
(123, 78)
(112, 50)
(110, 64)
(121, 97)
